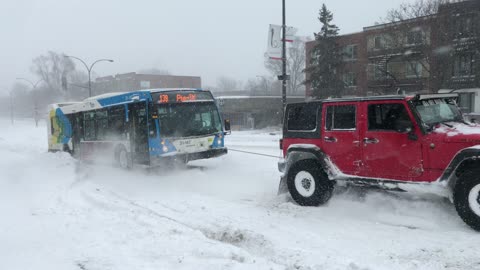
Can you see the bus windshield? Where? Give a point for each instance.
(188, 119)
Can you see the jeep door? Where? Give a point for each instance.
(391, 148)
(340, 135)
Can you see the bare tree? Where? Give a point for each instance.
(263, 85)
(226, 84)
(409, 42)
(295, 66)
(53, 68)
(419, 8)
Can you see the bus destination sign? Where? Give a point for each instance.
(182, 97)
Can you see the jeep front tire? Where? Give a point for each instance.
(308, 184)
(466, 195)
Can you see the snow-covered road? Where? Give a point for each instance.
(218, 214)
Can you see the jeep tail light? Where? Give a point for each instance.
(281, 144)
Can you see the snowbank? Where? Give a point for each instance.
(217, 214)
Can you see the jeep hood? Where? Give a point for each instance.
(459, 132)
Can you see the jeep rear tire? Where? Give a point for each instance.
(466, 196)
(308, 184)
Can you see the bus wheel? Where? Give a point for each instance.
(123, 158)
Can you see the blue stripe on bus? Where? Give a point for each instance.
(123, 98)
(66, 128)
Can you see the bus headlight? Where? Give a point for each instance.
(165, 148)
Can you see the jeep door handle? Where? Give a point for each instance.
(370, 140)
(330, 139)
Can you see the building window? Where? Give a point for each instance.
(463, 65)
(415, 37)
(414, 69)
(464, 26)
(350, 79)
(379, 42)
(379, 72)
(350, 53)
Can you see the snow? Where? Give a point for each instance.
(217, 214)
(458, 129)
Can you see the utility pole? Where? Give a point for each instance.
(89, 70)
(35, 101)
(284, 60)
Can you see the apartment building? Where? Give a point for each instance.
(421, 55)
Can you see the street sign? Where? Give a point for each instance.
(280, 77)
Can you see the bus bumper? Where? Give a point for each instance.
(216, 152)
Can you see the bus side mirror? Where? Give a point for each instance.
(227, 127)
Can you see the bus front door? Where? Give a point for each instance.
(139, 132)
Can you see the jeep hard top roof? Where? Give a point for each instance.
(386, 97)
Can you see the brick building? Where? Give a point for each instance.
(424, 54)
(133, 81)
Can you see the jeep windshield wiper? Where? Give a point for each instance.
(460, 120)
(448, 125)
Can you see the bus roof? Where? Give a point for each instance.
(154, 90)
(110, 99)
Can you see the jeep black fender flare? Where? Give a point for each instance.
(301, 152)
(464, 158)
(296, 153)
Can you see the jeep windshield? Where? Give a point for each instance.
(434, 111)
(188, 119)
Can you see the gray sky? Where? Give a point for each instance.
(207, 38)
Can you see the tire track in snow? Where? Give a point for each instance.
(254, 244)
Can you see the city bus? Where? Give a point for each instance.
(144, 127)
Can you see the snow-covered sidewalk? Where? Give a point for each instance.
(218, 214)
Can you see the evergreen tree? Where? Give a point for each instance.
(325, 59)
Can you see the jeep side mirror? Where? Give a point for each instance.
(404, 126)
(412, 136)
(227, 127)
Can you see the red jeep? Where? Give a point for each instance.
(391, 142)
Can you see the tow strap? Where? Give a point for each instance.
(252, 153)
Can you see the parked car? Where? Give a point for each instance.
(395, 143)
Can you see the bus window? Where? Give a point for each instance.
(116, 123)
(206, 119)
(184, 120)
(89, 124)
(101, 121)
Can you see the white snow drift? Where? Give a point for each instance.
(217, 214)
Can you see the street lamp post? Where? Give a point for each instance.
(284, 59)
(35, 102)
(89, 69)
